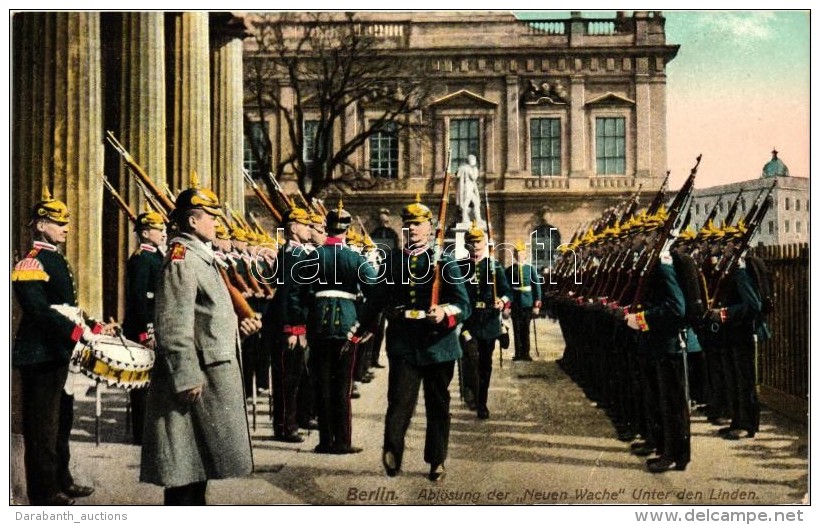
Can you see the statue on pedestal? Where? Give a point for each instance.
(468, 198)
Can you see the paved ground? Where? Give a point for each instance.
(545, 443)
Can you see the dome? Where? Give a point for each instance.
(775, 168)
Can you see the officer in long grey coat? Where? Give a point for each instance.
(195, 424)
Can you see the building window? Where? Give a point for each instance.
(697, 208)
(742, 204)
(463, 141)
(720, 206)
(771, 227)
(254, 147)
(786, 226)
(610, 145)
(384, 152)
(545, 137)
(788, 203)
(798, 226)
(797, 204)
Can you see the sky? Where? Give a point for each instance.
(738, 88)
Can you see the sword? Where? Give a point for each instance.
(535, 336)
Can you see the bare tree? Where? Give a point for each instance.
(325, 65)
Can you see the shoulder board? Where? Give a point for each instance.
(29, 269)
(178, 252)
(666, 258)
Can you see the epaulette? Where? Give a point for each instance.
(666, 258)
(29, 269)
(178, 252)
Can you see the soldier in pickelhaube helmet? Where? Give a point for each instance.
(526, 300)
(42, 348)
(421, 339)
(142, 273)
(285, 325)
(489, 295)
(341, 275)
(195, 421)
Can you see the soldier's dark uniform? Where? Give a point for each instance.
(485, 281)
(526, 296)
(42, 348)
(142, 273)
(739, 320)
(341, 275)
(660, 319)
(417, 350)
(286, 316)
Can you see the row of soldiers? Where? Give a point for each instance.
(658, 318)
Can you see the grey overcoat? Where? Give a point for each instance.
(197, 343)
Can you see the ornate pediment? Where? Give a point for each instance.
(546, 92)
(610, 99)
(462, 98)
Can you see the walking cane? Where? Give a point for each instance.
(460, 381)
(97, 411)
(253, 402)
(535, 336)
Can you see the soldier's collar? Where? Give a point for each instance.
(43, 245)
(148, 247)
(415, 251)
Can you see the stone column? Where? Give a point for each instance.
(577, 130)
(643, 124)
(142, 125)
(192, 100)
(228, 134)
(57, 138)
(513, 146)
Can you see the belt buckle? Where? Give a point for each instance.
(414, 314)
(481, 305)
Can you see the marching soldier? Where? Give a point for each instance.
(421, 340)
(142, 274)
(526, 301)
(341, 275)
(41, 352)
(285, 326)
(489, 295)
(195, 424)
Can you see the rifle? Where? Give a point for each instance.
(713, 213)
(119, 200)
(730, 215)
(262, 197)
(658, 200)
(668, 233)
(164, 202)
(240, 305)
(281, 191)
(759, 211)
(170, 194)
(491, 264)
(438, 248)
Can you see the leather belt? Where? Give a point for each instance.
(338, 294)
(415, 314)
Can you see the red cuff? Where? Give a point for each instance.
(77, 333)
(97, 328)
(724, 315)
(640, 318)
(450, 321)
(295, 330)
(143, 337)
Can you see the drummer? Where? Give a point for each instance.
(142, 273)
(42, 347)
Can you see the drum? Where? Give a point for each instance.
(116, 361)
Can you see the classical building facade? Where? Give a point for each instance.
(565, 116)
(786, 221)
(169, 87)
